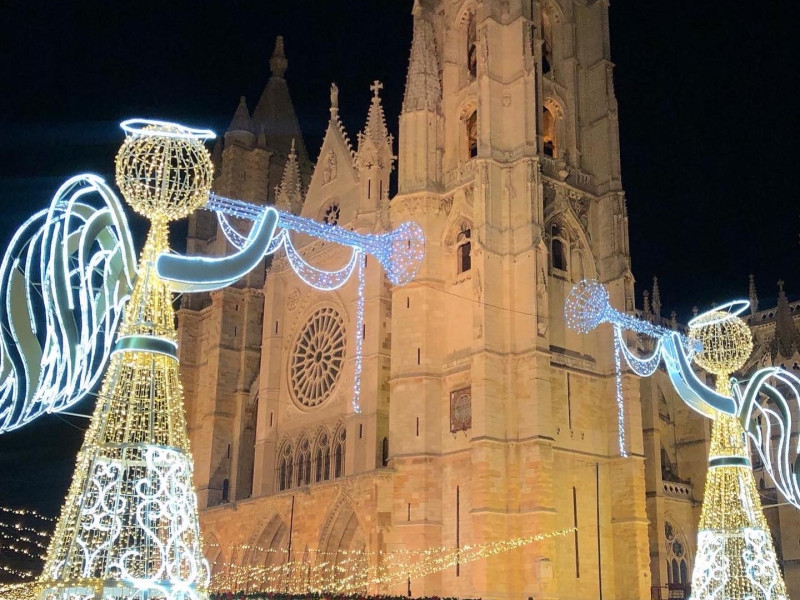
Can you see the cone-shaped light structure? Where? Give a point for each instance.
(129, 526)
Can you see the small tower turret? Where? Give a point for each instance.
(241, 130)
(421, 123)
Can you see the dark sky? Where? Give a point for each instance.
(708, 116)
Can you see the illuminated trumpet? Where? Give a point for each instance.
(400, 252)
(587, 306)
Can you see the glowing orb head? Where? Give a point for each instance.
(586, 306)
(727, 341)
(163, 169)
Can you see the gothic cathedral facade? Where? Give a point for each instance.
(472, 414)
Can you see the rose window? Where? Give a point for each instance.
(317, 358)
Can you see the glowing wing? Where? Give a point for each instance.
(64, 280)
(770, 407)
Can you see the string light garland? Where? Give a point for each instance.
(400, 251)
(586, 307)
(354, 571)
(341, 572)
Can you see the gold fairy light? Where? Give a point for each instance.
(354, 571)
(735, 557)
(129, 526)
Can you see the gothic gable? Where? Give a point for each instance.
(334, 179)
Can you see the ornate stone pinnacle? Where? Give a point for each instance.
(278, 63)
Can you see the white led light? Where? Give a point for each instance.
(149, 127)
(64, 280)
(728, 311)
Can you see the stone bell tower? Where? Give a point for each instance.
(503, 423)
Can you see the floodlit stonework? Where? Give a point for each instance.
(482, 417)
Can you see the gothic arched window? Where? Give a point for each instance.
(339, 447)
(304, 463)
(322, 459)
(472, 47)
(464, 251)
(471, 131)
(285, 468)
(550, 143)
(547, 44)
(677, 560)
(558, 248)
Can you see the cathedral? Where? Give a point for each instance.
(462, 410)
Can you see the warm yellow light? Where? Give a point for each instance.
(164, 177)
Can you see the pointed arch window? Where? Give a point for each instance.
(558, 248)
(339, 448)
(549, 141)
(677, 559)
(471, 126)
(304, 463)
(322, 459)
(472, 46)
(547, 44)
(464, 250)
(285, 468)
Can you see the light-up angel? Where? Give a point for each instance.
(70, 269)
(735, 558)
(76, 306)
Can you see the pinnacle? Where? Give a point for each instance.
(423, 88)
(375, 129)
(787, 337)
(753, 295)
(278, 63)
(289, 194)
(656, 298)
(241, 118)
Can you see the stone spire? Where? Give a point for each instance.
(289, 194)
(751, 292)
(646, 303)
(241, 129)
(423, 88)
(787, 338)
(274, 114)
(241, 118)
(278, 63)
(656, 298)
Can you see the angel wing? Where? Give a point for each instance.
(64, 280)
(769, 409)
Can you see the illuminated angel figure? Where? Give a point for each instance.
(735, 558)
(69, 270)
(75, 306)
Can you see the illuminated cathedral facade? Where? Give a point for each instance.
(472, 414)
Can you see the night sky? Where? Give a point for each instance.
(708, 117)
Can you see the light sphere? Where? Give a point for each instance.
(163, 169)
(727, 341)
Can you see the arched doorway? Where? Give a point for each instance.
(343, 546)
(266, 560)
